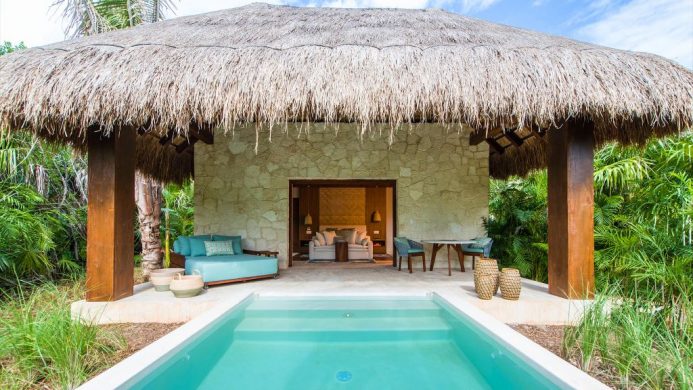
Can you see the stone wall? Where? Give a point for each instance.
(442, 182)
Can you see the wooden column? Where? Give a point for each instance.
(110, 214)
(571, 210)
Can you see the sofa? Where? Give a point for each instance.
(360, 246)
(243, 265)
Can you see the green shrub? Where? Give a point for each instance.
(634, 341)
(42, 346)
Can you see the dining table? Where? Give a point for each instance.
(456, 245)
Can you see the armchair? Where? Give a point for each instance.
(409, 248)
(481, 247)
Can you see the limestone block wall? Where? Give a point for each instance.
(442, 182)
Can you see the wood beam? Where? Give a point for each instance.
(110, 213)
(495, 145)
(166, 139)
(186, 144)
(514, 138)
(571, 210)
(204, 135)
(477, 136)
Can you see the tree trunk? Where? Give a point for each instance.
(148, 199)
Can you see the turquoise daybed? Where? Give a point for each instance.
(241, 266)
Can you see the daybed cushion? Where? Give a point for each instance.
(182, 246)
(235, 240)
(219, 268)
(197, 246)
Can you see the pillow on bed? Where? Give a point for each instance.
(197, 246)
(182, 245)
(236, 240)
(218, 248)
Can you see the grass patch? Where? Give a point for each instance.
(634, 343)
(42, 346)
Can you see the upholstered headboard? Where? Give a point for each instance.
(359, 228)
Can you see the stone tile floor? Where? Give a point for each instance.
(535, 306)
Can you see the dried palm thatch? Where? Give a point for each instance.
(276, 64)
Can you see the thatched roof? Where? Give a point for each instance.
(274, 64)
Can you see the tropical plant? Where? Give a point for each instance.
(42, 206)
(8, 47)
(640, 326)
(518, 224)
(41, 346)
(179, 212)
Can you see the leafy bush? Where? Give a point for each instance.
(42, 346)
(640, 327)
(42, 206)
(633, 341)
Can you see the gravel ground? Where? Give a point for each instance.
(551, 338)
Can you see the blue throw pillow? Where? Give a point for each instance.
(182, 246)
(235, 240)
(197, 245)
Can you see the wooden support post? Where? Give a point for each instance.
(571, 210)
(110, 213)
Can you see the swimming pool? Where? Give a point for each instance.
(359, 343)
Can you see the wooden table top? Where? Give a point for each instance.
(449, 242)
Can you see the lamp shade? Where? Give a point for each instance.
(308, 220)
(376, 216)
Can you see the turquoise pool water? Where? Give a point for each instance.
(413, 343)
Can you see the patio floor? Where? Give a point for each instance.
(535, 306)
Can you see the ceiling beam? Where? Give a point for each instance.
(190, 141)
(495, 145)
(477, 136)
(514, 138)
(205, 135)
(166, 139)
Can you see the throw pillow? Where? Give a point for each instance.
(197, 246)
(320, 238)
(236, 240)
(182, 246)
(329, 237)
(360, 236)
(351, 237)
(364, 242)
(218, 248)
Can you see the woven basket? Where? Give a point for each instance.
(510, 283)
(486, 285)
(484, 265)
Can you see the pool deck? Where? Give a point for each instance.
(535, 306)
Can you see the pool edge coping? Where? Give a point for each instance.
(534, 354)
(134, 365)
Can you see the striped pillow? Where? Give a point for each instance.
(218, 248)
